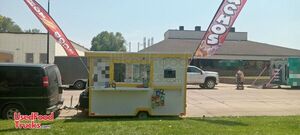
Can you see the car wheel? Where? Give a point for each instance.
(202, 86)
(210, 83)
(8, 111)
(79, 85)
(143, 115)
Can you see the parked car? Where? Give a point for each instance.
(27, 88)
(205, 79)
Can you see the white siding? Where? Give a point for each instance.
(20, 44)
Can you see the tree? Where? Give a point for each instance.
(108, 41)
(7, 25)
(34, 30)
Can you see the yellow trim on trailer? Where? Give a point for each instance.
(111, 72)
(185, 86)
(130, 62)
(138, 58)
(122, 84)
(135, 55)
(91, 83)
(151, 74)
(168, 87)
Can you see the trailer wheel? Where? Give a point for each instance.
(79, 85)
(143, 115)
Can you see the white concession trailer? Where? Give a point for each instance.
(130, 84)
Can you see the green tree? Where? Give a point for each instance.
(34, 30)
(108, 41)
(8, 25)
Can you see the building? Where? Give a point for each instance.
(31, 48)
(237, 51)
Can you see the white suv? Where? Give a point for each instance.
(205, 79)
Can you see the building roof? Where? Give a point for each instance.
(78, 46)
(246, 50)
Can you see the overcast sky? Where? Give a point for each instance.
(269, 21)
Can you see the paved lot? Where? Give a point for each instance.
(225, 101)
(68, 112)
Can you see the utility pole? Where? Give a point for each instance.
(148, 42)
(152, 41)
(129, 46)
(144, 42)
(48, 35)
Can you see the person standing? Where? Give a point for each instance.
(240, 78)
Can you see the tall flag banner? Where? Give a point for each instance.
(52, 27)
(219, 28)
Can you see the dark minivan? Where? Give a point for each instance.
(27, 88)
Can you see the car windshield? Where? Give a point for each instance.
(193, 69)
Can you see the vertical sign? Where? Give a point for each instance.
(52, 27)
(219, 27)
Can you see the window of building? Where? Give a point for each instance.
(43, 58)
(29, 57)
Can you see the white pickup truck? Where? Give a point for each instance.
(205, 79)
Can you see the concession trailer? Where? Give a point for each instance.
(142, 84)
(285, 71)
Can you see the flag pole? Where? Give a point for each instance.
(48, 35)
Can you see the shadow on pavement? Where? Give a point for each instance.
(200, 89)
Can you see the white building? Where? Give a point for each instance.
(31, 48)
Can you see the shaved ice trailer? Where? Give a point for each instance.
(136, 84)
(285, 71)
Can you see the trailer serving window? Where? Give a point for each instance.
(131, 73)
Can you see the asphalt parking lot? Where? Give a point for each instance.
(69, 112)
(224, 100)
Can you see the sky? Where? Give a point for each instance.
(275, 22)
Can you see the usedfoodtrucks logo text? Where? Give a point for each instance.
(223, 21)
(32, 121)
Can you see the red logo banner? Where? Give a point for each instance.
(219, 27)
(52, 27)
